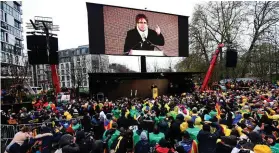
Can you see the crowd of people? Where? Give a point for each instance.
(235, 121)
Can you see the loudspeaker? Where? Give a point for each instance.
(231, 58)
(35, 57)
(35, 42)
(53, 58)
(38, 46)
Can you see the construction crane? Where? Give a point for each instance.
(211, 68)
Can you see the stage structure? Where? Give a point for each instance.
(116, 85)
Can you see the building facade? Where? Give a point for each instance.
(12, 58)
(74, 66)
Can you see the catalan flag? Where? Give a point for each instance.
(218, 110)
(108, 124)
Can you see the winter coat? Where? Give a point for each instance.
(113, 135)
(142, 147)
(207, 141)
(187, 146)
(85, 144)
(71, 148)
(155, 138)
(223, 148)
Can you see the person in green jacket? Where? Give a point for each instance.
(192, 130)
(110, 135)
(116, 112)
(155, 136)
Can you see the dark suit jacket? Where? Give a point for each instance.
(134, 40)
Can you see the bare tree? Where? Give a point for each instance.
(214, 23)
(264, 14)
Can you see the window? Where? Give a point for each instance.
(2, 35)
(84, 70)
(5, 17)
(16, 60)
(62, 72)
(17, 42)
(67, 66)
(16, 6)
(41, 77)
(1, 15)
(68, 84)
(83, 51)
(3, 57)
(85, 83)
(7, 38)
(3, 46)
(78, 51)
(63, 78)
(78, 59)
(62, 66)
(17, 24)
(83, 58)
(68, 77)
(11, 59)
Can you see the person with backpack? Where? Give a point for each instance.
(110, 135)
(143, 145)
(187, 145)
(86, 144)
(123, 143)
(137, 133)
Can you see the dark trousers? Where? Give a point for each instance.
(14, 148)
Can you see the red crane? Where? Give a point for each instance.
(211, 67)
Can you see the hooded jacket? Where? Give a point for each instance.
(143, 145)
(85, 145)
(207, 140)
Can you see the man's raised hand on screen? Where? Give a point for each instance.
(158, 30)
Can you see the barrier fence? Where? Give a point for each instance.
(8, 131)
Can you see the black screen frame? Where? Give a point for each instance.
(97, 44)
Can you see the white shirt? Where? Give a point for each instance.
(143, 34)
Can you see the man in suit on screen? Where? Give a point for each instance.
(143, 38)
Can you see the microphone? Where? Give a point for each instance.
(152, 43)
(140, 42)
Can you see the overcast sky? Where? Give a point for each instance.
(71, 15)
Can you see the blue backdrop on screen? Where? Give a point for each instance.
(108, 27)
